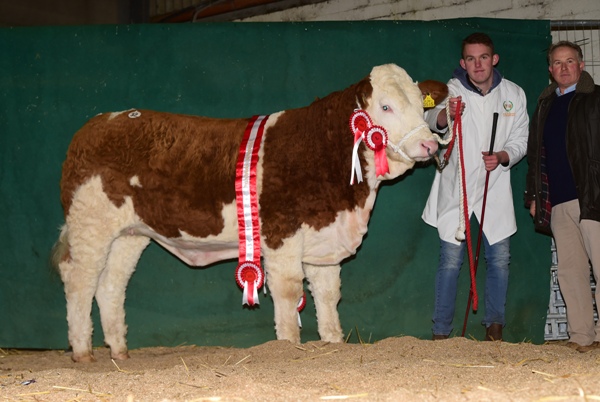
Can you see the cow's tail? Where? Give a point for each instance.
(60, 248)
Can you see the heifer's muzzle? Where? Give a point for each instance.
(398, 148)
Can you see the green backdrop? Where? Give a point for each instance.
(53, 79)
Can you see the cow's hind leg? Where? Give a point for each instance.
(80, 271)
(285, 279)
(80, 285)
(124, 254)
(92, 224)
(324, 285)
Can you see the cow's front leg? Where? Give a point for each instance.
(324, 284)
(285, 280)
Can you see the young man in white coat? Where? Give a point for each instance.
(482, 92)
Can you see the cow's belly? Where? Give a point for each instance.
(197, 251)
(204, 253)
(327, 246)
(341, 239)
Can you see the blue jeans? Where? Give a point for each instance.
(496, 284)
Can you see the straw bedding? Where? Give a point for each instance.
(400, 368)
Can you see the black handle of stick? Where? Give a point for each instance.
(494, 125)
(487, 178)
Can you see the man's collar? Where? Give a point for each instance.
(461, 74)
(570, 89)
(474, 87)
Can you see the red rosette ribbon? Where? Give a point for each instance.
(249, 277)
(301, 302)
(376, 139)
(360, 121)
(300, 307)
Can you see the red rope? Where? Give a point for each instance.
(457, 133)
(473, 290)
(451, 143)
(472, 266)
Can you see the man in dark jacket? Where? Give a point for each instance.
(563, 184)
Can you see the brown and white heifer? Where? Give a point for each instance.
(138, 175)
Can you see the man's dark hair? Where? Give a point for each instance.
(565, 43)
(477, 38)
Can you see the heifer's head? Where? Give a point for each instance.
(396, 105)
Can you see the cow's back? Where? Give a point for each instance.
(179, 170)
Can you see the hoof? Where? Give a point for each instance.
(333, 339)
(120, 356)
(83, 358)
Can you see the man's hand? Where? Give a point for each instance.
(532, 209)
(492, 161)
(442, 119)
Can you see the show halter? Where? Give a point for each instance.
(463, 232)
(398, 148)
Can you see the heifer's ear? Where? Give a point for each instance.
(433, 92)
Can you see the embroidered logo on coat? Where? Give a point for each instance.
(508, 106)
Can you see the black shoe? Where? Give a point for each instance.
(493, 332)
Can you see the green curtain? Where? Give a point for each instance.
(53, 79)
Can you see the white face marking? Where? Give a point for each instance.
(134, 181)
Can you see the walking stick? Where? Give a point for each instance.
(480, 235)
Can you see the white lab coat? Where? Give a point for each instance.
(442, 208)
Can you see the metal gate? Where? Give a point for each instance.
(587, 35)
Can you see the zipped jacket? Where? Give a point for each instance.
(583, 152)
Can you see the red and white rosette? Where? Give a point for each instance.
(375, 137)
(301, 302)
(360, 121)
(300, 307)
(249, 275)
